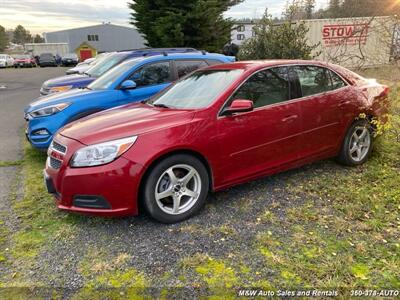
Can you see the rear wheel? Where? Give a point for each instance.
(176, 188)
(357, 145)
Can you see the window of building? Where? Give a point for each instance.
(253, 33)
(241, 28)
(240, 37)
(93, 37)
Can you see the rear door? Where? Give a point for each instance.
(150, 79)
(320, 108)
(267, 137)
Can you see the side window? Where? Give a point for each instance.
(185, 67)
(212, 62)
(152, 74)
(337, 82)
(313, 80)
(265, 88)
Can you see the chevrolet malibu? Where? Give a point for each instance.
(218, 127)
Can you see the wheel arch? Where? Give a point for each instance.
(163, 156)
(83, 114)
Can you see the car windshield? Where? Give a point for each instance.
(106, 64)
(107, 79)
(2, 57)
(198, 90)
(70, 55)
(46, 55)
(21, 56)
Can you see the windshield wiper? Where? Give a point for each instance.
(87, 74)
(161, 105)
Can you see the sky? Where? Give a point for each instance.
(40, 16)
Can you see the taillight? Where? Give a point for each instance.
(385, 92)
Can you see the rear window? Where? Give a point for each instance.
(46, 55)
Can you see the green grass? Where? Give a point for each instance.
(10, 163)
(341, 230)
(39, 222)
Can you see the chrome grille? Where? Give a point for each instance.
(58, 147)
(55, 163)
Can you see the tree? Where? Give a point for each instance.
(38, 39)
(3, 39)
(309, 6)
(278, 41)
(299, 10)
(189, 23)
(334, 9)
(21, 35)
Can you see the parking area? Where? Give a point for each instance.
(312, 226)
(18, 88)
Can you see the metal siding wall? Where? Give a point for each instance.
(111, 37)
(374, 51)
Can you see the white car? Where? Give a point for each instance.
(6, 61)
(86, 65)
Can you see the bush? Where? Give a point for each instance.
(278, 41)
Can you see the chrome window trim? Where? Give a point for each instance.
(290, 101)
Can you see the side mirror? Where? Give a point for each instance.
(128, 85)
(239, 106)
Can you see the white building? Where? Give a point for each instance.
(241, 31)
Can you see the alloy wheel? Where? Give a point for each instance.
(178, 189)
(360, 143)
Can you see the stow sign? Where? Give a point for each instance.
(352, 42)
(352, 34)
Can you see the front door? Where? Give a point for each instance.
(267, 137)
(150, 79)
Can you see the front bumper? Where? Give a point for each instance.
(51, 124)
(108, 190)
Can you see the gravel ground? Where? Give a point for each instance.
(227, 226)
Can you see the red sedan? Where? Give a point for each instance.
(218, 127)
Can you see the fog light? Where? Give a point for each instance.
(40, 132)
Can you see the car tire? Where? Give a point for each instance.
(357, 144)
(176, 188)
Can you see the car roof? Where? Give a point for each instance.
(253, 65)
(169, 56)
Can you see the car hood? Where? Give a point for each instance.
(124, 121)
(69, 80)
(80, 69)
(71, 96)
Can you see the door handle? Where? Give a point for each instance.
(343, 103)
(290, 118)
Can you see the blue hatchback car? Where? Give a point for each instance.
(132, 81)
(66, 83)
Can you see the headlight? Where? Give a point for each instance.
(100, 154)
(49, 110)
(62, 88)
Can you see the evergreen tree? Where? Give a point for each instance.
(190, 23)
(334, 9)
(38, 39)
(309, 6)
(21, 35)
(3, 39)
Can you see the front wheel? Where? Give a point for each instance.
(176, 188)
(357, 145)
